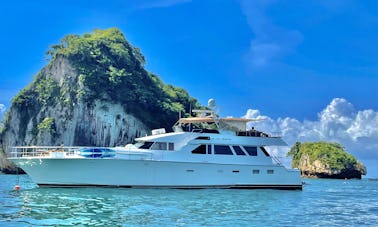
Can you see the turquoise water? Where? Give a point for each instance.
(321, 203)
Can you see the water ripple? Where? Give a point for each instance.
(321, 203)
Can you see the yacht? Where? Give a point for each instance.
(204, 151)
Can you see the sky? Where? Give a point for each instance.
(310, 68)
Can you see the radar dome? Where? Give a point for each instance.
(211, 103)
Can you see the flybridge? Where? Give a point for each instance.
(207, 121)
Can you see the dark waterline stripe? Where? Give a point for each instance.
(281, 187)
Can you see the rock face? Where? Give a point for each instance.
(320, 169)
(325, 160)
(94, 92)
(100, 123)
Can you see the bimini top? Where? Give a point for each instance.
(191, 120)
(210, 118)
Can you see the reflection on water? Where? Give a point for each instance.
(322, 202)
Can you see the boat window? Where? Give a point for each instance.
(203, 138)
(270, 171)
(209, 149)
(221, 149)
(238, 150)
(252, 151)
(207, 130)
(159, 146)
(171, 146)
(256, 171)
(200, 150)
(265, 152)
(146, 145)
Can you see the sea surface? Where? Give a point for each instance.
(322, 202)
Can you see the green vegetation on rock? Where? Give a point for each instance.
(331, 153)
(110, 69)
(89, 80)
(47, 124)
(326, 158)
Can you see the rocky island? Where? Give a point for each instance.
(325, 160)
(94, 91)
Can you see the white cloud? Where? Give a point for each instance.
(271, 41)
(339, 122)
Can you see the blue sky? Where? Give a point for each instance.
(306, 61)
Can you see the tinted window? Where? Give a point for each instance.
(146, 145)
(200, 150)
(238, 150)
(252, 151)
(171, 146)
(209, 149)
(255, 171)
(270, 171)
(203, 138)
(159, 146)
(220, 149)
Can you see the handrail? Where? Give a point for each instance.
(49, 151)
(276, 159)
(276, 134)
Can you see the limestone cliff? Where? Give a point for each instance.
(325, 160)
(94, 92)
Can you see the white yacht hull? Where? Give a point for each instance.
(76, 172)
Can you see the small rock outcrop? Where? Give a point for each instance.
(94, 92)
(325, 160)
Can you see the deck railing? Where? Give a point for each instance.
(275, 134)
(47, 151)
